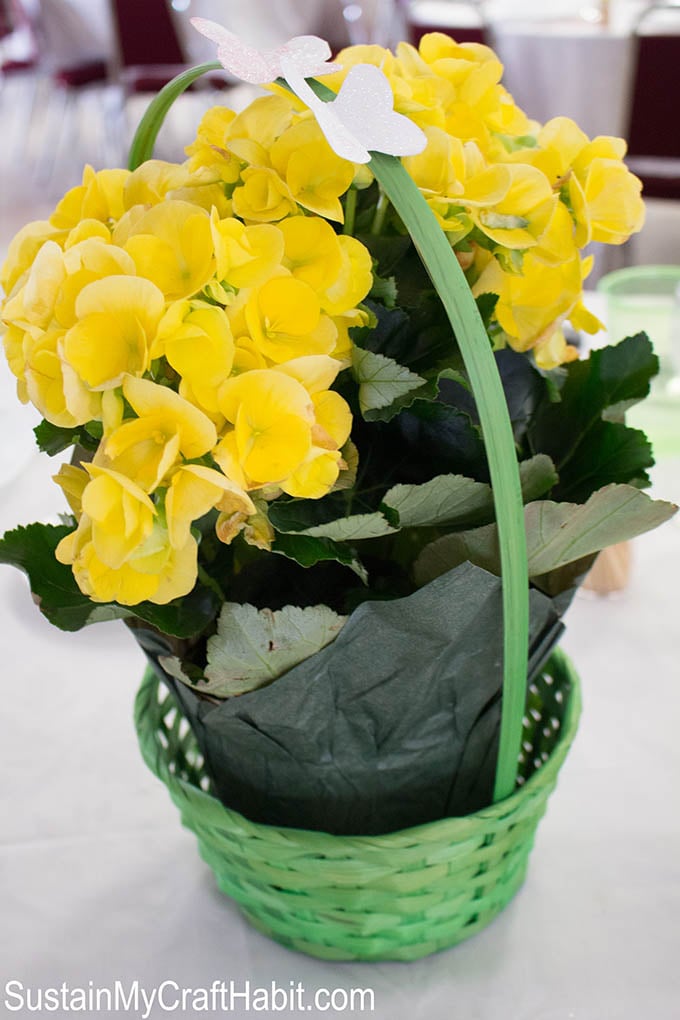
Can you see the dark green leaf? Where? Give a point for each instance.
(588, 450)
(31, 549)
(53, 439)
(486, 303)
(308, 551)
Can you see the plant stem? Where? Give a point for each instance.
(350, 211)
(380, 213)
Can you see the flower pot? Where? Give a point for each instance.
(398, 896)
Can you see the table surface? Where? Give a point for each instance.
(99, 883)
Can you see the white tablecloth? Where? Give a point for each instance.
(99, 883)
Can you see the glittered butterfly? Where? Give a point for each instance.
(307, 53)
(361, 119)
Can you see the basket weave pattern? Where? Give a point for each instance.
(397, 896)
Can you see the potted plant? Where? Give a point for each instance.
(338, 468)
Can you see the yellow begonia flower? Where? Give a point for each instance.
(99, 197)
(455, 177)
(560, 141)
(343, 323)
(461, 63)
(554, 351)
(72, 481)
(284, 319)
(603, 194)
(260, 124)
(197, 341)
(155, 572)
(120, 512)
(206, 195)
(246, 256)
(311, 250)
(61, 398)
(148, 447)
(557, 243)
(247, 356)
(333, 420)
(193, 491)
(150, 183)
(117, 321)
(319, 471)
(315, 175)
(53, 387)
(208, 151)
(316, 372)
(23, 249)
(263, 196)
(518, 220)
(88, 260)
(354, 280)
(33, 304)
(13, 342)
(87, 230)
(608, 198)
(531, 305)
(172, 246)
(440, 168)
(315, 476)
(272, 416)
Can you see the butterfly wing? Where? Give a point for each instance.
(237, 57)
(365, 105)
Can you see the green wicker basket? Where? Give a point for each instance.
(398, 896)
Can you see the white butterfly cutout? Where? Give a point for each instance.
(360, 120)
(261, 67)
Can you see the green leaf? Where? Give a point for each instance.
(31, 549)
(384, 289)
(252, 647)
(308, 551)
(486, 303)
(446, 499)
(537, 476)
(608, 453)
(557, 533)
(354, 528)
(455, 501)
(381, 381)
(588, 449)
(53, 439)
(61, 601)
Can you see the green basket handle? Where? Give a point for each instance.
(449, 280)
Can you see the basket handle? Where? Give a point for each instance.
(449, 280)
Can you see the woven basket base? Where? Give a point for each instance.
(399, 896)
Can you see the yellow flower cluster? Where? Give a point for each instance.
(517, 200)
(201, 312)
(204, 344)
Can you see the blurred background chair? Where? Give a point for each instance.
(463, 21)
(148, 52)
(653, 135)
